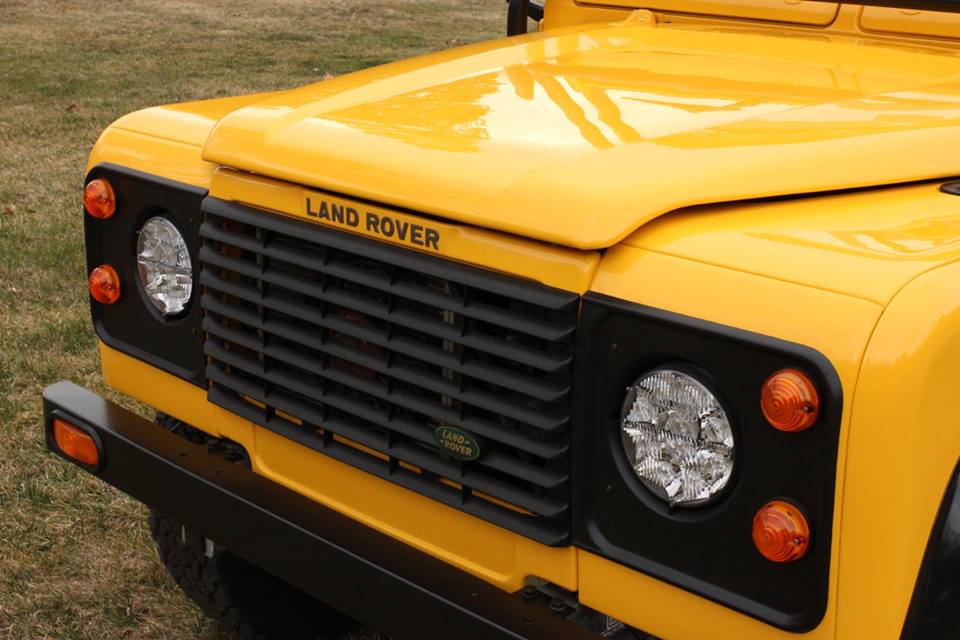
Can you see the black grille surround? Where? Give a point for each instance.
(361, 350)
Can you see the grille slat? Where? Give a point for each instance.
(383, 282)
(480, 427)
(544, 421)
(542, 390)
(288, 304)
(362, 350)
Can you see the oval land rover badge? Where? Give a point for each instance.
(457, 443)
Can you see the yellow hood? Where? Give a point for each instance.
(579, 136)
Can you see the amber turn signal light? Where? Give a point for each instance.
(104, 284)
(781, 532)
(75, 443)
(790, 401)
(99, 199)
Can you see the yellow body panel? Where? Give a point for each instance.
(865, 244)
(532, 153)
(901, 452)
(171, 159)
(166, 141)
(522, 134)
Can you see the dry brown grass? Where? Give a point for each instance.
(75, 556)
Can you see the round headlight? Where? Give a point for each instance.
(163, 262)
(677, 438)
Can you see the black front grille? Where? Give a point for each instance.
(361, 350)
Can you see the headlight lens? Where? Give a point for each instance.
(163, 262)
(677, 438)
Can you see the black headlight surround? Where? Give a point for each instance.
(706, 550)
(132, 325)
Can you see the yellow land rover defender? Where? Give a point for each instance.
(643, 325)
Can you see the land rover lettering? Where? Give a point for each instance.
(380, 224)
(412, 233)
(333, 212)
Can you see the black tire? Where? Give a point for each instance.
(244, 599)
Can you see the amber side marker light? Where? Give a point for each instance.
(781, 532)
(790, 401)
(75, 443)
(104, 284)
(99, 199)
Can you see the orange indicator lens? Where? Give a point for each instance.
(75, 443)
(790, 401)
(99, 199)
(781, 532)
(104, 284)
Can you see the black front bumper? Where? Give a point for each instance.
(384, 583)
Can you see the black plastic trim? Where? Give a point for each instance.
(934, 612)
(706, 550)
(951, 188)
(133, 325)
(375, 578)
(519, 11)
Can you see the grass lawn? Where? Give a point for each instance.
(75, 556)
